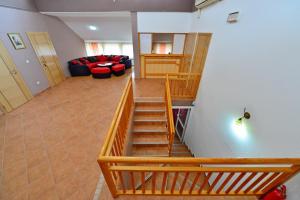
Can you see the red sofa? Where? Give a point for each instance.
(82, 66)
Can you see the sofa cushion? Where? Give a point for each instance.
(92, 65)
(84, 61)
(116, 58)
(75, 62)
(102, 58)
(92, 59)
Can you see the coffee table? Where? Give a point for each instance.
(105, 65)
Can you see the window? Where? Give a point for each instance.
(162, 43)
(98, 48)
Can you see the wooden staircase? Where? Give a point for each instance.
(150, 139)
(149, 128)
(179, 149)
(160, 165)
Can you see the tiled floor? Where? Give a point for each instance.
(49, 146)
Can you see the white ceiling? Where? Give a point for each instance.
(111, 26)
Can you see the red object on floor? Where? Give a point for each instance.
(118, 67)
(277, 194)
(100, 70)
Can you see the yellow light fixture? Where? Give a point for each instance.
(239, 127)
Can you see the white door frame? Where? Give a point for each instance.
(178, 120)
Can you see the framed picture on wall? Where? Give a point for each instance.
(16, 40)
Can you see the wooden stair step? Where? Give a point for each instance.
(150, 151)
(149, 127)
(149, 132)
(149, 138)
(150, 121)
(181, 149)
(181, 155)
(149, 117)
(149, 110)
(150, 143)
(150, 103)
(157, 112)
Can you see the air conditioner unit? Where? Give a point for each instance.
(203, 3)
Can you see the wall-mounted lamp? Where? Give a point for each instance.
(246, 115)
(239, 127)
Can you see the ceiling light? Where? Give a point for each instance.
(93, 28)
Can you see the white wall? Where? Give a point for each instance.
(255, 64)
(164, 22)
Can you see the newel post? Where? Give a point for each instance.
(108, 178)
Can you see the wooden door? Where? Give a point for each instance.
(47, 56)
(13, 91)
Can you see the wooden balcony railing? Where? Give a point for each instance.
(184, 85)
(201, 176)
(169, 113)
(183, 175)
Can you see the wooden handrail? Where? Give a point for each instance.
(169, 111)
(202, 161)
(111, 132)
(217, 176)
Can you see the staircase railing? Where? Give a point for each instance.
(183, 175)
(169, 113)
(184, 85)
(114, 144)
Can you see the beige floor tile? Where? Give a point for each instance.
(38, 171)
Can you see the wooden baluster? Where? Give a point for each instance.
(194, 182)
(122, 181)
(120, 141)
(262, 185)
(132, 182)
(119, 136)
(215, 182)
(235, 182)
(117, 150)
(143, 181)
(258, 180)
(250, 177)
(118, 145)
(225, 182)
(205, 182)
(184, 182)
(163, 186)
(174, 182)
(153, 182)
(275, 182)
